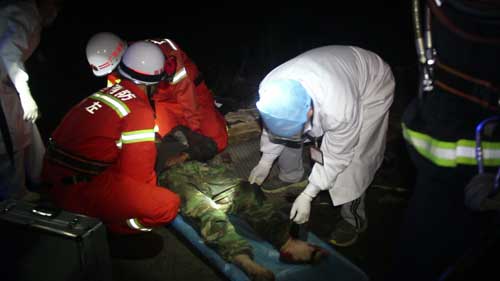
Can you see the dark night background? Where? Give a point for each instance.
(233, 43)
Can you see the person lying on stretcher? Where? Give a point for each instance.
(209, 193)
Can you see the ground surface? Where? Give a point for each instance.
(235, 53)
(171, 257)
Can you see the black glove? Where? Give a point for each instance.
(166, 148)
(200, 147)
(477, 191)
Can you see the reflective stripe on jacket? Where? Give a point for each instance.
(449, 153)
(114, 125)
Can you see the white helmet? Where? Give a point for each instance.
(143, 63)
(104, 52)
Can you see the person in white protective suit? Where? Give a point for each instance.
(340, 95)
(21, 147)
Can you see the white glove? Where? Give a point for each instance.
(260, 172)
(29, 107)
(301, 208)
(20, 80)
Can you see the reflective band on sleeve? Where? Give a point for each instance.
(171, 44)
(117, 105)
(135, 224)
(179, 76)
(138, 136)
(451, 154)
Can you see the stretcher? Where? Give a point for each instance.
(334, 267)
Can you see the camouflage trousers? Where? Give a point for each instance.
(210, 193)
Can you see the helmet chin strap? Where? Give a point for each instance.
(150, 90)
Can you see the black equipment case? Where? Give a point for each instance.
(40, 242)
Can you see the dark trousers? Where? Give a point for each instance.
(437, 228)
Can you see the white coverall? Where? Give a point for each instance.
(20, 27)
(351, 91)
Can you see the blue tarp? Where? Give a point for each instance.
(334, 267)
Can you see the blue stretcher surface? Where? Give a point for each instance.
(334, 267)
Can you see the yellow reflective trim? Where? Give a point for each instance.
(451, 154)
(138, 136)
(135, 224)
(179, 76)
(171, 44)
(117, 105)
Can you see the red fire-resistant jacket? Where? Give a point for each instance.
(115, 127)
(184, 98)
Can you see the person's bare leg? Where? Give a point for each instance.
(255, 271)
(301, 251)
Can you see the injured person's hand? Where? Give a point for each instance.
(296, 251)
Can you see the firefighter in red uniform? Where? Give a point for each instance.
(183, 98)
(100, 160)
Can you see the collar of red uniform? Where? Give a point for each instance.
(134, 88)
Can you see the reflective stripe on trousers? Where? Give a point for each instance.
(136, 224)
